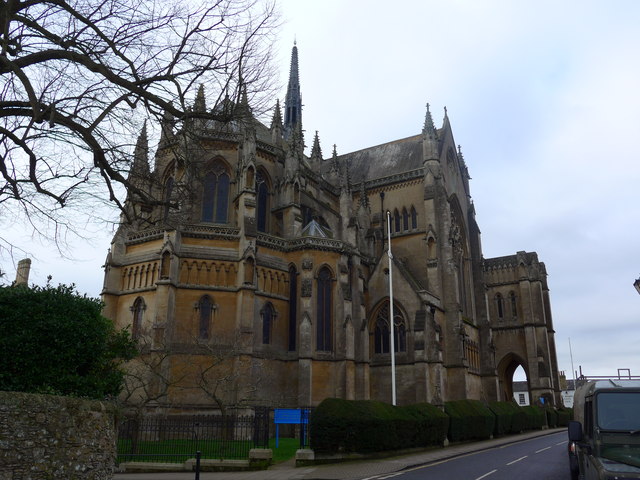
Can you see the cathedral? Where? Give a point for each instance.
(262, 275)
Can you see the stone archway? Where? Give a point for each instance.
(506, 368)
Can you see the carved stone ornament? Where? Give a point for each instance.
(307, 264)
(306, 287)
(346, 291)
(455, 238)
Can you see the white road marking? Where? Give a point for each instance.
(562, 443)
(517, 460)
(543, 449)
(486, 474)
(389, 476)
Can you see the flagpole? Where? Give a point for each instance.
(391, 315)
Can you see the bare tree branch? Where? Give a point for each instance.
(79, 78)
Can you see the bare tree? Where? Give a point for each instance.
(213, 373)
(78, 78)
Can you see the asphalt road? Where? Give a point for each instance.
(543, 458)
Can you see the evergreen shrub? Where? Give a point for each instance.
(564, 415)
(509, 418)
(534, 417)
(469, 420)
(346, 426)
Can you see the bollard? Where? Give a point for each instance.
(197, 465)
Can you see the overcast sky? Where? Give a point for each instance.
(544, 99)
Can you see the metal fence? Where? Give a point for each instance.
(174, 439)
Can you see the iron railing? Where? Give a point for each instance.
(174, 439)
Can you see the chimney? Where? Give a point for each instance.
(22, 274)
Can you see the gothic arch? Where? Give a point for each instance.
(138, 308)
(216, 186)
(506, 368)
(263, 200)
(324, 308)
(379, 328)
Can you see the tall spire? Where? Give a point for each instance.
(293, 101)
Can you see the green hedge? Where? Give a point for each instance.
(564, 415)
(534, 417)
(469, 420)
(368, 426)
(509, 418)
(347, 426)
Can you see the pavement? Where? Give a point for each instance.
(352, 470)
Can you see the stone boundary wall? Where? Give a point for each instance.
(49, 437)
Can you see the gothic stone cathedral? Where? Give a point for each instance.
(263, 279)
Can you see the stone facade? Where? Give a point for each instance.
(45, 437)
(261, 276)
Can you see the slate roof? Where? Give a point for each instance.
(382, 160)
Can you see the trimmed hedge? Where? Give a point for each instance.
(364, 426)
(564, 415)
(469, 420)
(368, 426)
(534, 417)
(509, 418)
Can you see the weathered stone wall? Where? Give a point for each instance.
(50, 437)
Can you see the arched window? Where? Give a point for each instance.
(205, 307)
(138, 309)
(168, 191)
(514, 304)
(414, 218)
(500, 305)
(324, 309)
(262, 193)
(381, 335)
(396, 220)
(215, 194)
(405, 219)
(268, 316)
(293, 308)
(165, 265)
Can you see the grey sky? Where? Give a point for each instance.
(543, 98)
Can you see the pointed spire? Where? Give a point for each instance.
(430, 147)
(200, 104)
(293, 100)
(335, 165)
(140, 166)
(276, 120)
(316, 151)
(429, 128)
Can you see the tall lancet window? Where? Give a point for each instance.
(215, 194)
(324, 311)
(205, 307)
(138, 309)
(262, 193)
(268, 316)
